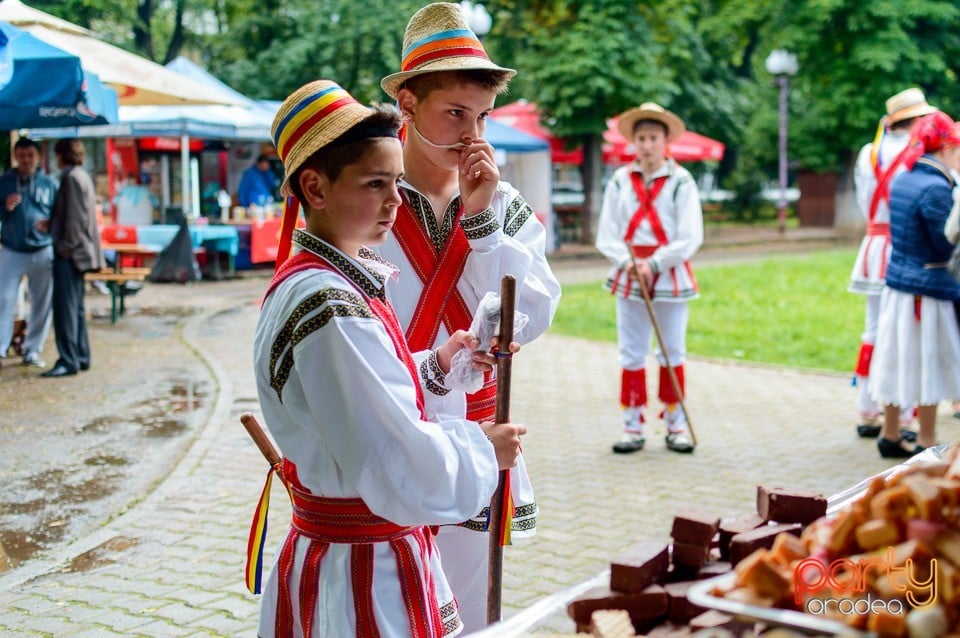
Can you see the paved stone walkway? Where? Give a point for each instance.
(172, 564)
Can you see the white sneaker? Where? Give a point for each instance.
(33, 359)
(629, 442)
(680, 442)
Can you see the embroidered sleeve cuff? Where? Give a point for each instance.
(654, 266)
(432, 376)
(481, 225)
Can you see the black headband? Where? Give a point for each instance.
(364, 132)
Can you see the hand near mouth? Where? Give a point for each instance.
(479, 177)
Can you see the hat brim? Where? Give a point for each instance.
(917, 110)
(392, 83)
(674, 124)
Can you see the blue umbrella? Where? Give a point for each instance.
(41, 85)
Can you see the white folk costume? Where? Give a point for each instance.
(877, 164)
(342, 397)
(457, 260)
(451, 265)
(659, 215)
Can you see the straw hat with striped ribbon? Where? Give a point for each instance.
(906, 105)
(438, 38)
(310, 118)
(650, 111)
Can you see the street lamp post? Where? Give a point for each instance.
(477, 18)
(782, 64)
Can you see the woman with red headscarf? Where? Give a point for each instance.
(917, 354)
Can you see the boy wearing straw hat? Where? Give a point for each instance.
(874, 162)
(344, 398)
(461, 229)
(652, 205)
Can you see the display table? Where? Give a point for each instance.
(215, 240)
(549, 613)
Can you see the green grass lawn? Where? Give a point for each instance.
(790, 310)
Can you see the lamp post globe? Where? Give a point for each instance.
(477, 17)
(782, 64)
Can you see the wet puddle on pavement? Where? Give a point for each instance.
(100, 555)
(40, 510)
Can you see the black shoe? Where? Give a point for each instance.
(868, 431)
(58, 371)
(84, 367)
(895, 449)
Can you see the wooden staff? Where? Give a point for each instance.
(259, 436)
(674, 382)
(508, 290)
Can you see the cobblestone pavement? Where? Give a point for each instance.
(171, 564)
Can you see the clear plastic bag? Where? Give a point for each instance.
(485, 326)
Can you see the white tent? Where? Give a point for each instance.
(524, 161)
(137, 80)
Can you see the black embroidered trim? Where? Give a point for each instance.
(433, 377)
(370, 283)
(437, 232)
(517, 214)
(293, 331)
(450, 611)
(480, 225)
(524, 519)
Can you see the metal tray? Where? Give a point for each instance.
(700, 594)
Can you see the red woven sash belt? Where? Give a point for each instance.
(341, 520)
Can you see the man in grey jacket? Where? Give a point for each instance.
(26, 199)
(76, 245)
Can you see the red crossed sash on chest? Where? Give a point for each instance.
(884, 177)
(646, 209)
(439, 301)
(305, 260)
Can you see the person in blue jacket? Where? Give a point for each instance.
(26, 201)
(258, 184)
(917, 354)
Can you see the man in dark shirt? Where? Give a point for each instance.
(26, 199)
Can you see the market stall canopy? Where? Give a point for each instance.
(41, 85)
(510, 140)
(250, 120)
(137, 80)
(689, 147)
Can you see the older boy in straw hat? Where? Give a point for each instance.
(653, 205)
(343, 398)
(874, 162)
(461, 229)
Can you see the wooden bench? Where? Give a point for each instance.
(115, 284)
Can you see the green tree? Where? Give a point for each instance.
(270, 53)
(583, 62)
(156, 29)
(854, 55)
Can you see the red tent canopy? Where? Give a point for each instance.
(525, 116)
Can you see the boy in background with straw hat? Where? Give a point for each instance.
(343, 398)
(461, 229)
(874, 161)
(652, 205)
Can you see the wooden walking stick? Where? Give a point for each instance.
(258, 527)
(674, 382)
(259, 436)
(500, 500)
